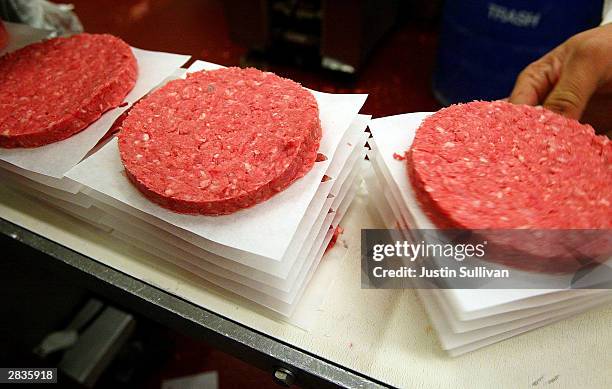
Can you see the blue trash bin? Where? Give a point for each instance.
(484, 45)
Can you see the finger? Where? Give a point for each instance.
(575, 87)
(536, 80)
(598, 113)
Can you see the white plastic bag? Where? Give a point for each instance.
(45, 15)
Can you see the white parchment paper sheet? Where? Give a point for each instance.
(282, 303)
(458, 337)
(286, 291)
(226, 267)
(272, 272)
(262, 232)
(457, 344)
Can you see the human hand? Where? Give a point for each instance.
(574, 79)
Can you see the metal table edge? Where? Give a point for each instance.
(245, 343)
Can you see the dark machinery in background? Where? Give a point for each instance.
(483, 44)
(335, 34)
(50, 321)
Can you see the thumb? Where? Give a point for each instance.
(574, 89)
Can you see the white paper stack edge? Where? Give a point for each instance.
(465, 319)
(266, 254)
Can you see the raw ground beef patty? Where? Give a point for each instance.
(220, 141)
(496, 165)
(51, 90)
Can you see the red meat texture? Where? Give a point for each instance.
(54, 89)
(220, 141)
(496, 165)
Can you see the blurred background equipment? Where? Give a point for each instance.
(337, 35)
(484, 44)
(3, 36)
(396, 69)
(41, 14)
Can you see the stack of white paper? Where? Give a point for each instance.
(465, 320)
(267, 253)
